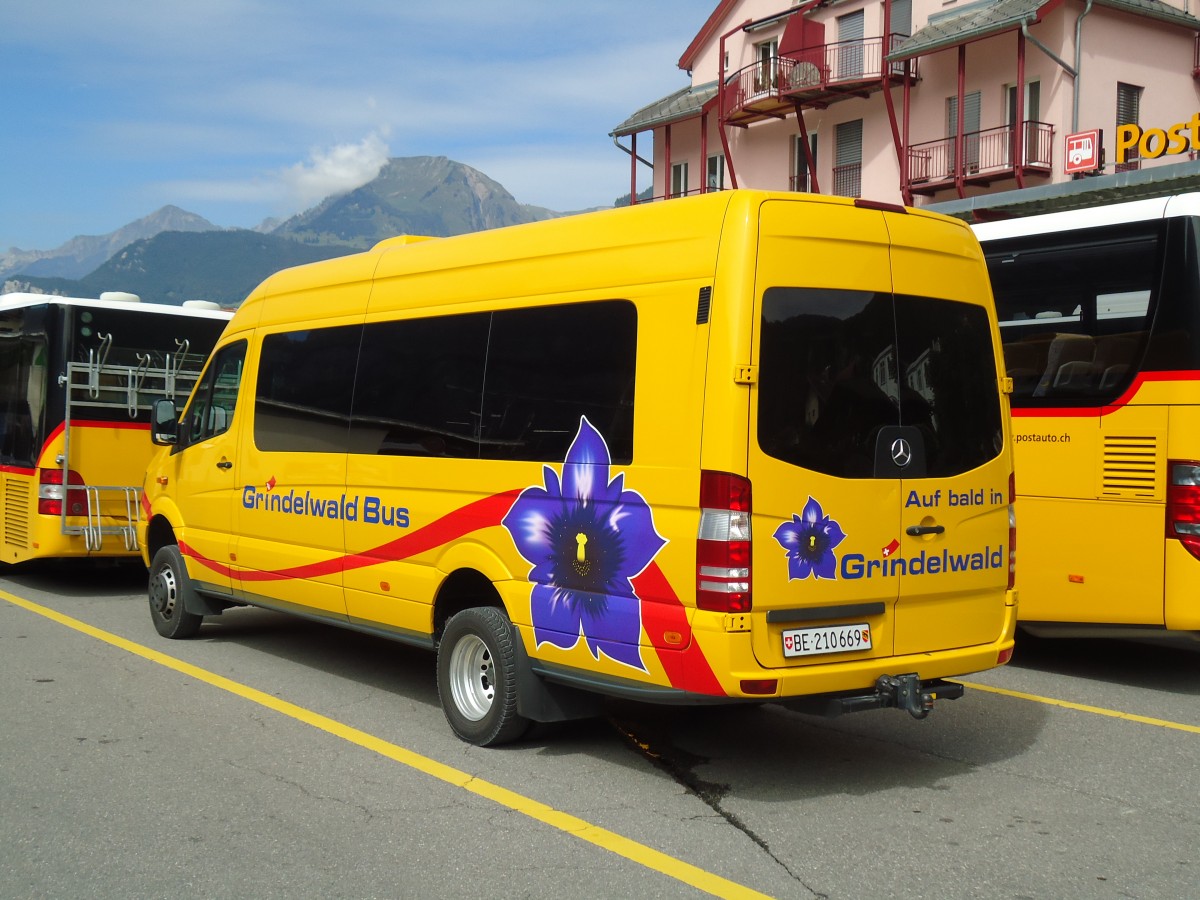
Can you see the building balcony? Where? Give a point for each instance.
(813, 77)
(987, 156)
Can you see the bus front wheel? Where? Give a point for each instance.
(169, 589)
(477, 677)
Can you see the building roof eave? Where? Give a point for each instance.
(1141, 184)
(685, 103)
(705, 34)
(992, 17)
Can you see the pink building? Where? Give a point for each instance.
(917, 101)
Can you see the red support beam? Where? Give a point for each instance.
(812, 163)
(960, 124)
(1019, 127)
(633, 172)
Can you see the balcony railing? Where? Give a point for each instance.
(847, 180)
(818, 75)
(987, 154)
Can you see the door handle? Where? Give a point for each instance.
(918, 530)
(224, 464)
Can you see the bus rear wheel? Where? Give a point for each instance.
(170, 588)
(477, 677)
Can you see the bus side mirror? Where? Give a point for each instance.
(164, 425)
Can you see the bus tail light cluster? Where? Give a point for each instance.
(723, 546)
(51, 493)
(1012, 530)
(1183, 504)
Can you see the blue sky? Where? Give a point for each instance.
(239, 110)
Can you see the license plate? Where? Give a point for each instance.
(826, 639)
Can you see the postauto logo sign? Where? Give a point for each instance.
(1151, 143)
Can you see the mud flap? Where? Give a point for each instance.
(540, 700)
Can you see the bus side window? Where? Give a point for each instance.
(213, 402)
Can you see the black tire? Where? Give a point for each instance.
(170, 589)
(477, 677)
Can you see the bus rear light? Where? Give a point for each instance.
(760, 686)
(723, 544)
(1004, 656)
(51, 493)
(1012, 530)
(1183, 504)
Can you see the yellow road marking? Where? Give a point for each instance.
(593, 834)
(1081, 707)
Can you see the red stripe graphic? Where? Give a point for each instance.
(480, 514)
(1097, 411)
(687, 669)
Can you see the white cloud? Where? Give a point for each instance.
(334, 171)
(294, 188)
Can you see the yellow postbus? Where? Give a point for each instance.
(77, 378)
(1100, 319)
(744, 446)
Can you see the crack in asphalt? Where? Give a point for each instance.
(681, 766)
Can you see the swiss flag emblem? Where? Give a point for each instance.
(891, 548)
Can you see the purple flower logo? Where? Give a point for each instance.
(585, 539)
(809, 540)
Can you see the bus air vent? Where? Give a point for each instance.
(16, 512)
(704, 305)
(1133, 467)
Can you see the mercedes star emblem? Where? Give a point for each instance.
(901, 452)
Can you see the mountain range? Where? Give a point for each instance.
(172, 255)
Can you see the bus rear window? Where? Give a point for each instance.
(836, 367)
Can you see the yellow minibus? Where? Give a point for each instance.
(745, 446)
(1099, 312)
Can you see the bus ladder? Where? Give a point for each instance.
(95, 385)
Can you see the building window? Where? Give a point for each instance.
(971, 105)
(850, 45)
(803, 178)
(715, 179)
(901, 23)
(679, 179)
(1129, 105)
(847, 168)
(1034, 151)
(901, 27)
(765, 79)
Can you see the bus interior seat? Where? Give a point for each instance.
(1117, 349)
(1074, 375)
(1113, 376)
(1065, 348)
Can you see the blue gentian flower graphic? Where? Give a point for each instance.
(585, 538)
(810, 539)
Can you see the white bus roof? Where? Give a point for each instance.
(18, 300)
(1092, 217)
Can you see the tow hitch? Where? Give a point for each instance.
(906, 692)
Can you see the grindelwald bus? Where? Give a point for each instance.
(1099, 315)
(731, 448)
(77, 378)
